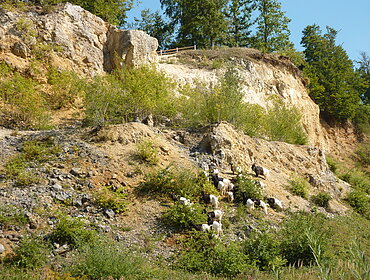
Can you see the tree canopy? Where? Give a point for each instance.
(334, 85)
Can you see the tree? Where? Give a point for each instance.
(239, 14)
(272, 27)
(154, 25)
(364, 71)
(199, 22)
(334, 85)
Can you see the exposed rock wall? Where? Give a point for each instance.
(75, 39)
(260, 80)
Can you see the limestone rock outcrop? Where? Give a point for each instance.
(72, 38)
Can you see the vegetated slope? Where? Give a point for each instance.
(90, 163)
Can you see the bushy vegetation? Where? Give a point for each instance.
(333, 166)
(251, 189)
(183, 217)
(147, 152)
(299, 186)
(72, 231)
(175, 180)
(321, 199)
(111, 198)
(360, 202)
(12, 216)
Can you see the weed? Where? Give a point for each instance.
(333, 165)
(321, 199)
(12, 216)
(114, 200)
(183, 216)
(299, 186)
(147, 152)
(251, 189)
(72, 231)
(360, 202)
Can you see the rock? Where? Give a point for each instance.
(76, 172)
(20, 49)
(109, 213)
(2, 249)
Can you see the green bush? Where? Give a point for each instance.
(360, 202)
(263, 249)
(104, 259)
(252, 190)
(175, 180)
(363, 153)
(203, 253)
(127, 95)
(295, 245)
(12, 216)
(66, 87)
(72, 231)
(321, 199)
(147, 152)
(299, 186)
(182, 217)
(333, 165)
(32, 252)
(114, 200)
(358, 179)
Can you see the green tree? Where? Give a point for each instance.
(334, 85)
(199, 22)
(364, 70)
(239, 14)
(156, 26)
(272, 27)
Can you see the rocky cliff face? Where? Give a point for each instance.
(72, 38)
(262, 76)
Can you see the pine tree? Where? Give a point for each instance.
(239, 14)
(272, 27)
(334, 85)
(199, 22)
(364, 71)
(154, 25)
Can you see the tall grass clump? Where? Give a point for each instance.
(321, 199)
(299, 186)
(127, 95)
(147, 152)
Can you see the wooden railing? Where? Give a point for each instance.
(175, 51)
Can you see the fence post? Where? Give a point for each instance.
(177, 50)
(195, 47)
(161, 52)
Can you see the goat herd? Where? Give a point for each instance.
(228, 190)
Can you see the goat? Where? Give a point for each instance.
(184, 201)
(244, 197)
(230, 196)
(215, 215)
(210, 199)
(259, 170)
(261, 204)
(250, 204)
(235, 169)
(221, 187)
(275, 203)
(217, 227)
(201, 227)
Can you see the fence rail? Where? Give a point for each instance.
(175, 51)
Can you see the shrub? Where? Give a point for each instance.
(333, 165)
(358, 179)
(183, 216)
(127, 95)
(32, 252)
(12, 216)
(203, 253)
(299, 186)
(321, 199)
(263, 249)
(147, 152)
(66, 87)
(295, 245)
(363, 153)
(114, 200)
(248, 186)
(105, 259)
(359, 201)
(72, 231)
(175, 180)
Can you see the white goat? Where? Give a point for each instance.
(184, 201)
(206, 227)
(230, 196)
(275, 203)
(221, 187)
(215, 215)
(213, 200)
(217, 227)
(250, 204)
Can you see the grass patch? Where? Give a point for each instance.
(12, 216)
(108, 198)
(321, 199)
(147, 152)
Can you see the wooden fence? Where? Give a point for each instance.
(175, 51)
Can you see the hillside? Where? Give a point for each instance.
(93, 194)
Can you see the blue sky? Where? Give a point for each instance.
(350, 17)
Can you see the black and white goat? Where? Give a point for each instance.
(275, 203)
